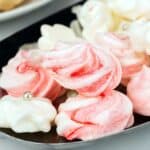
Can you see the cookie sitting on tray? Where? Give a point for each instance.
(9, 4)
(26, 114)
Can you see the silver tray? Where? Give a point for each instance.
(132, 139)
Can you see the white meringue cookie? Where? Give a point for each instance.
(139, 33)
(94, 16)
(26, 116)
(53, 34)
(131, 9)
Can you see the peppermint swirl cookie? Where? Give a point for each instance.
(121, 46)
(24, 73)
(90, 118)
(83, 67)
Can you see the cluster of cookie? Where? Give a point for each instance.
(110, 49)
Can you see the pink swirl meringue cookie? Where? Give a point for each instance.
(24, 73)
(139, 91)
(90, 118)
(121, 47)
(84, 68)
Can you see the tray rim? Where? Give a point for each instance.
(78, 142)
(22, 10)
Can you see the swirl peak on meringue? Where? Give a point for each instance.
(95, 117)
(121, 46)
(83, 67)
(24, 73)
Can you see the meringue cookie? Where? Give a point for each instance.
(83, 67)
(90, 118)
(26, 116)
(94, 16)
(139, 33)
(53, 34)
(121, 47)
(24, 73)
(138, 90)
(9, 4)
(130, 9)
